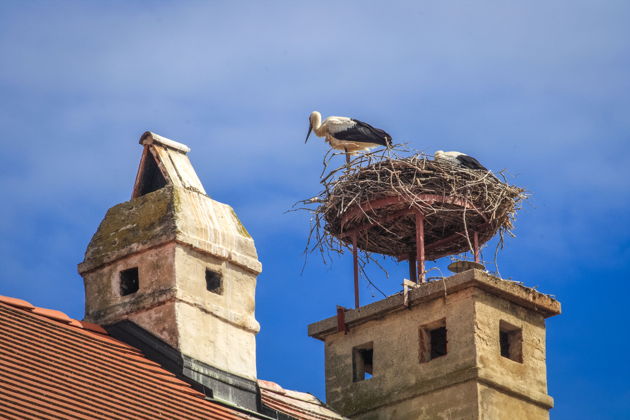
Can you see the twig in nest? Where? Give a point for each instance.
(455, 201)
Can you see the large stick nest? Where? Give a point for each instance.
(377, 197)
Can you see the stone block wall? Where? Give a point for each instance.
(494, 366)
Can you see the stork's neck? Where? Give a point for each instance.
(316, 122)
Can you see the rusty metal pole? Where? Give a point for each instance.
(420, 246)
(355, 260)
(341, 319)
(413, 274)
(476, 247)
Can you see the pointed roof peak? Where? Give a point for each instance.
(151, 138)
(164, 162)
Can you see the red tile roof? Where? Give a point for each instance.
(297, 404)
(55, 367)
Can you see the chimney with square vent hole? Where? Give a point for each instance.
(470, 346)
(174, 272)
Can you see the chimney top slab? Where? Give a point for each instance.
(510, 290)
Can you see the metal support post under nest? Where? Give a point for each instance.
(420, 248)
(476, 247)
(413, 274)
(355, 260)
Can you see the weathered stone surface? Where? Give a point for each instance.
(527, 379)
(472, 381)
(497, 405)
(216, 329)
(174, 304)
(171, 214)
(174, 235)
(158, 320)
(460, 401)
(103, 301)
(129, 227)
(510, 290)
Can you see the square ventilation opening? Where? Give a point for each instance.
(433, 341)
(362, 362)
(129, 281)
(511, 341)
(214, 281)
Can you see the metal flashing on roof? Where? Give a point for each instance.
(213, 382)
(261, 399)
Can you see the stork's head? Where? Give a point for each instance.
(439, 154)
(314, 121)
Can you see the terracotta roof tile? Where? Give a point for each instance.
(300, 405)
(54, 367)
(19, 303)
(93, 327)
(53, 314)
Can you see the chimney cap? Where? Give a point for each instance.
(150, 138)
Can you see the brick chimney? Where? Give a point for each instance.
(174, 266)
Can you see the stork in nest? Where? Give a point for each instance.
(347, 134)
(459, 159)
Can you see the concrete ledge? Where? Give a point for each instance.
(244, 261)
(542, 400)
(245, 322)
(509, 290)
(248, 263)
(138, 303)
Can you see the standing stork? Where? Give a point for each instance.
(347, 134)
(459, 159)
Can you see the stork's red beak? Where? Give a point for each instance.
(310, 128)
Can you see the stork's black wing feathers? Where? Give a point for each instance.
(365, 133)
(470, 162)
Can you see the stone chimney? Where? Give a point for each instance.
(470, 346)
(180, 266)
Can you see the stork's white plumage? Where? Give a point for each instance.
(347, 134)
(459, 159)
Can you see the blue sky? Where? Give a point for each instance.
(539, 88)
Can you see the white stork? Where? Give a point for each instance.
(347, 134)
(459, 159)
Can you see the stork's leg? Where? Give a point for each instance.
(347, 155)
